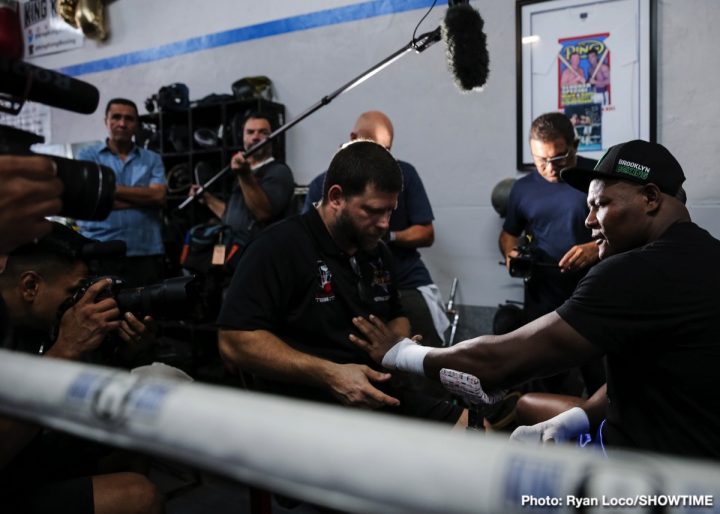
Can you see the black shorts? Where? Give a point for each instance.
(419, 402)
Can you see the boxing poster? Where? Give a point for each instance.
(589, 59)
(584, 85)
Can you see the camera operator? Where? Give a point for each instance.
(552, 214)
(36, 474)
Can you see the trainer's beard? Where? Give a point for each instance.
(346, 228)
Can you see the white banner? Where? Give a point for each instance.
(44, 31)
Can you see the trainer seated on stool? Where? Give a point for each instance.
(287, 320)
(411, 227)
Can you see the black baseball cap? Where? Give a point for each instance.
(635, 161)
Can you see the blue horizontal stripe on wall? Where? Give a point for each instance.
(314, 20)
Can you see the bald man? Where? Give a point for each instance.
(411, 228)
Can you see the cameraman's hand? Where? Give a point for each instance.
(29, 191)
(84, 325)
(135, 332)
(510, 255)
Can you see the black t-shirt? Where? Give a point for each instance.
(654, 311)
(295, 282)
(413, 208)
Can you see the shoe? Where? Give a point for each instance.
(502, 414)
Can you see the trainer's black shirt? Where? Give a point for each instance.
(654, 310)
(294, 281)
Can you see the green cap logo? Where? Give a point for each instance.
(632, 169)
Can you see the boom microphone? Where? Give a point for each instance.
(467, 57)
(467, 53)
(27, 82)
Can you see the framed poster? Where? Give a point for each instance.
(595, 61)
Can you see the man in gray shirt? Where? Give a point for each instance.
(264, 187)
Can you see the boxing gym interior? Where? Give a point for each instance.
(359, 256)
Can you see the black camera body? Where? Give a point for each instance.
(173, 97)
(521, 266)
(89, 188)
(171, 299)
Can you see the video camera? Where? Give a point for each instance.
(525, 263)
(89, 190)
(521, 266)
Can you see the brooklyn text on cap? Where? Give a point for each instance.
(635, 161)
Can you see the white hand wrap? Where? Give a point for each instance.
(406, 355)
(559, 429)
(468, 387)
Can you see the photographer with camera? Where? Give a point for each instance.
(140, 194)
(40, 471)
(552, 216)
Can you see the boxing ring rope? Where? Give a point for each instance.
(341, 458)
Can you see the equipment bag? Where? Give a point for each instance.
(209, 246)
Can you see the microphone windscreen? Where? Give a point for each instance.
(467, 53)
(24, 80)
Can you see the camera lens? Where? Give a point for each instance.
(173, 298)
(89, 189)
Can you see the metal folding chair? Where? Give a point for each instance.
(452, 313)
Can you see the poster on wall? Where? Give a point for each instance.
(584, 86)
(589, 59)
(44, 31)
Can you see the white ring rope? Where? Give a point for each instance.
(342, 458)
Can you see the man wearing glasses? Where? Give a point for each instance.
(552, 214)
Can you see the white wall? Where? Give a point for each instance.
(462, 144)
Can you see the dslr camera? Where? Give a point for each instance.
(89, 190)
(172, 299)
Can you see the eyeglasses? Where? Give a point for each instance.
(560, 160)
